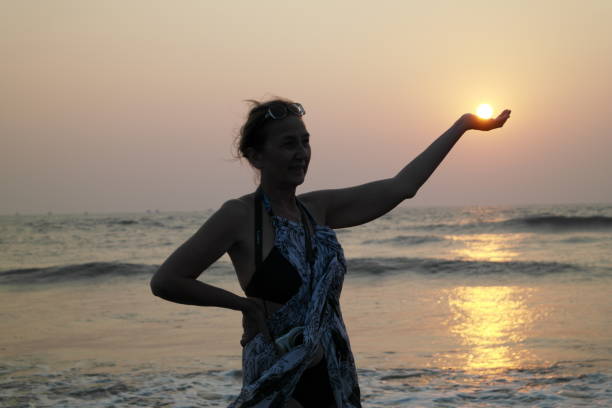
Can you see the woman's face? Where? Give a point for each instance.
(286, 153)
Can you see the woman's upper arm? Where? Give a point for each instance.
(348, 207)
(214, 238)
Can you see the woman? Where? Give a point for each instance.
(296, 352)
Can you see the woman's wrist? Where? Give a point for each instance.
(244, 304)
(462, 124)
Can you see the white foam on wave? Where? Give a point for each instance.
(564, 385)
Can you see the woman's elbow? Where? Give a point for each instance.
(401, 190)
(407, 194)
(411, 191)
(155, 288)
(159, 285)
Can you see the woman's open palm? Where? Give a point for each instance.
(472, 121)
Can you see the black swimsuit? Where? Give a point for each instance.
(277, 280)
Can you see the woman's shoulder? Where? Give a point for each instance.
(313, 204)
(237, 207)
(230, 219)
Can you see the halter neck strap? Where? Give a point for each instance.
(260, 197)
(259, 194)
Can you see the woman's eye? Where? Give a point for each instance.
(294, 143)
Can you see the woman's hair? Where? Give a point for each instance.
(251, 133)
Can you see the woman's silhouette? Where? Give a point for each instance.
(296, 352)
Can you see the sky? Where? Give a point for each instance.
(132, 105)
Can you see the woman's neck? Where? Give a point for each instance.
(282, 199)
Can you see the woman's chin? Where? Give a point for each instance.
(298, 180)
(298, 176)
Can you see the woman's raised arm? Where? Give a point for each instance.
(357, 205)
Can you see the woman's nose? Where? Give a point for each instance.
(302, 150)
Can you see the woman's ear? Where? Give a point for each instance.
(254, 157)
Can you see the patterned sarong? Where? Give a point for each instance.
(269, 379)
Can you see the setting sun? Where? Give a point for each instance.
(485, 111)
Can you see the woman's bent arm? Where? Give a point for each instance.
(193, 292)
(176, 279)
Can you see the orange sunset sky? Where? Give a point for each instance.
(133, 105)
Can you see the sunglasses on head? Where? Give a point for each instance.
(281, 110)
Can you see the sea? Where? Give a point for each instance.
(476, 306)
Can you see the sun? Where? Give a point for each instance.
(485, 111)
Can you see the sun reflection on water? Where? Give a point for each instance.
(487, 247)
(491, 323)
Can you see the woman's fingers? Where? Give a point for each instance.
(263, 327)
(472, 121)
(502, 117)
(251, 321)
(254, 322)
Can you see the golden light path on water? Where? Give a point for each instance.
(487, 247)
(491, 322)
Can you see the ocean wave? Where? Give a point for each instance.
(93, 383)
(431, 266)
(580, 240)
(64, 273)
(560, 385)
(91, 223)
(538, 223)
(561, 222)
(91, 271)
(368, 266)
(406, 240)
